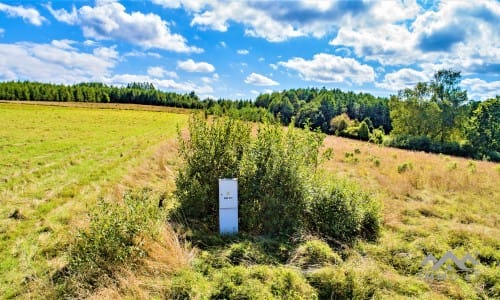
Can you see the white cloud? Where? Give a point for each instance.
(455, 34)
(261, 80)
(192, 66)
(164, 84)
(273, 66)
(53, 63)
(135, 53)
(63, 15)
(330, 68)
(261, 59)
(278, 21)
(30, 15)
(242, 51)
(159, 72)
(63, 44)
(403, 78)
(223, 44)
(480, 90)
(2, 31)
(108, 20)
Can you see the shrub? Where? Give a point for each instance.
(115, 237)
(406, 166)
(212, 151)
(275, 178)
(377, 136)
(313, 253)
(340, 123)
(363, 131)
(343, 212)
(275, 171)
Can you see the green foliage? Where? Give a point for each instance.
(276, 165)
(115, 237)
(313, 253)
(275, 173)
(340, 123)
(343, 212)
(238, 282)
(484, 129)
(136, 92)
(275, 178)
(406, 166)
(363, 131)
(377, 136)
(212, 151)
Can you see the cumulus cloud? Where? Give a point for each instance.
(159, 72)
(278, 21)
(55, 62)
(192, 66)
(403, 78)
(108, 20)
(480, 90)
(243, 51)
(458, 34)
(2, 31)
(330, 68)
(29, 15)
(260, 80)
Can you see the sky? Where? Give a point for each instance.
(239, 49)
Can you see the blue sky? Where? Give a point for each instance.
(238, 49)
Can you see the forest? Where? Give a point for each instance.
(435, 116)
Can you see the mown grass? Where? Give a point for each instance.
(55, 162)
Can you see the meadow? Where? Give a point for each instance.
(56, 162)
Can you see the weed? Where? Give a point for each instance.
(406, 166)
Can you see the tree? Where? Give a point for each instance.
(484, 129)
(445, 91)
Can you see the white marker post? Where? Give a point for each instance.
(228, 205)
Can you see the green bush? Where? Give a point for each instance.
(363, 131)
(212, 151)
(406, 166)
(115, 237)
(313, 253)
(275, 165)
(276, 174)
(343, 212)
(274, 179)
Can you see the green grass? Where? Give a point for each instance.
(55, 162)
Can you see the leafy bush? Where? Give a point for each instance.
(276, 171)
(363, 131)
(115, 237)
(212, 151)
(343, 212)
(275, 178)
(377, 136)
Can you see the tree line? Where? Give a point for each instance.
(138, 93)
(434, 116)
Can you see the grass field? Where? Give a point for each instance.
(55, 162)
